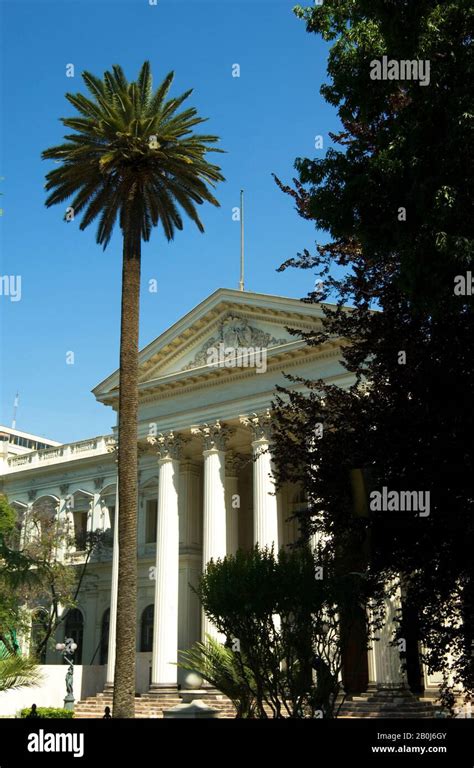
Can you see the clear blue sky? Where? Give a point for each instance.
(70, 287)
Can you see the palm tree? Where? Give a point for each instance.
(133, 158)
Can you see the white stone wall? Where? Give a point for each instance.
(88, 680)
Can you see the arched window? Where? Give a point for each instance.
(146, 643)
(75, 628)
(39, 626)
(104, 637)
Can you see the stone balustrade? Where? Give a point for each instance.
(58, 454)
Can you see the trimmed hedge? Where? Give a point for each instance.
(48, 712)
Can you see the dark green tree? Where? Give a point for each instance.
(281, 617)
(394, 193)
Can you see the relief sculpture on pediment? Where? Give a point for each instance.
(235, 332)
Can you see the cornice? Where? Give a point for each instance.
(192, 381)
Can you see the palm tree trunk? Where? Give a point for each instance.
(124, 680)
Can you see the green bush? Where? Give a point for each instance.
(48, 712)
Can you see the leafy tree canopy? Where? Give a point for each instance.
(282, 619)
(394, 192)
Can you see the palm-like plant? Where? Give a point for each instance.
(17, 671)
(225, 670)
(135, 159)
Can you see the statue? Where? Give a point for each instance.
(67, 648)
(69, 676)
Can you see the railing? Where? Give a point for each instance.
(49, 453)
(84, 445)
(17, 461)
(62, 453)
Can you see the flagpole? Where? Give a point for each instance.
(15, 406)
(241, 283)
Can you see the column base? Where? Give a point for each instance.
(163, 690)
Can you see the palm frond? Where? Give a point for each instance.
(156, 102)
(223, 669)
(144, 84)
(119, 77)
(133, 158)
(18, 671)
(173, 104)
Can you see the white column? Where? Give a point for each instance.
(214, 505)
(65, 520)
(25, 532)
(265, 507)
(109, 680)
(385, 665)
(371, 664)
(106, 515)
(93, 522)
(69, 518)
(164, 673)
(282, 506)
(232, 501)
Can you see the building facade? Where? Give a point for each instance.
(205, 479)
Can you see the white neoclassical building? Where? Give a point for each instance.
(206, 385)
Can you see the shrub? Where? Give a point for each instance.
(48, 712)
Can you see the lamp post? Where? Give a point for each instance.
(67, 648)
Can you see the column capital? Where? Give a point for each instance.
(260, 424)
(167, 445)
(214, 436)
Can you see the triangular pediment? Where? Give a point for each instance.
(227, 320)
(229, 335)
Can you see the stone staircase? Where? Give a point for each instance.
(376, 704)
(150, 705)
(383, 704)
